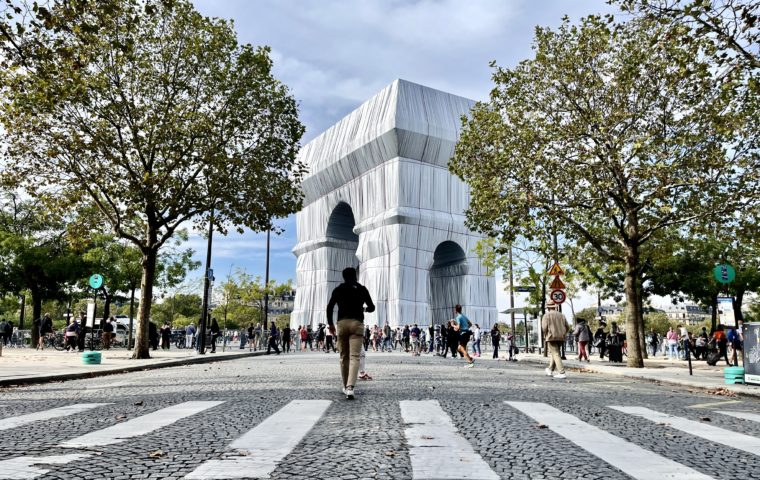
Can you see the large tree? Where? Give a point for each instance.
(154, 113)
(614, 132)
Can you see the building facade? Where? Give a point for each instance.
(379, 197)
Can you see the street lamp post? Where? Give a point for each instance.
(266, 288)
(206, 285)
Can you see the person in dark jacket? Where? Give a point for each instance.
(495, 340)
(351, 298)
(600, 340)
(153, 335)
(272, 342)
(166, 335)
(215, 331)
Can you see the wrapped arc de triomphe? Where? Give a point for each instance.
(379, 197)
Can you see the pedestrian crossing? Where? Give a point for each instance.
(437, 447)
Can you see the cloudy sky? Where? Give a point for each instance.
(335, 54)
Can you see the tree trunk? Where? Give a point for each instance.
(642, 327)
(36, 315)
(142, 345)
(634, 317)
(131, 315)
(737, 304)
(714, 317)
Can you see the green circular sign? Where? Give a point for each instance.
(724, 273)
(96, 281)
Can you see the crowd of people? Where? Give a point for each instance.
(681, 343)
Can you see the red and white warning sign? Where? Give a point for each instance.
(557, 296)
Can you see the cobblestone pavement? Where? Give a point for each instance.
(370, 437)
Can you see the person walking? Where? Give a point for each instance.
(107, 332)
(721, 341)
(304, 338)
(272, 342)
(329, 344)
(351, 298)
(654, 342)
(166, 335)
(615, 341)
(286, 339)
(582, 334)
(495, 340)
(600, 340)
(72, 332)
(46, 328)
(476, 340)
(554, 329)
(3, 338)
(367, 337)
(215, 332)
(672, 338)
(513, 350)
(414, 334)
(189, 335)
(462, 327)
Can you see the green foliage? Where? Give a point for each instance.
(588, 314)
(152, 112)
(609, 135)
(659, 322)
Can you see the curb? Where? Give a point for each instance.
(633, 375)
(62, 377)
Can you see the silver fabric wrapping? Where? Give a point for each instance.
(379, 197)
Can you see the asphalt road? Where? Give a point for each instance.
(284, 417)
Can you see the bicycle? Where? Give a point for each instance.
(56, 341)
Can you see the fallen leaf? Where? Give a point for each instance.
(120, 417)
(156, 454)
(705, 419)
(722, 391)
(243, 453)
(541, 425)
(390, 453)
(140, 403)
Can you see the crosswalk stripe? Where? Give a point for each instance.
(755, 417)
(13, 422)
(709, 432)
(622, 454)
(260, 449)
(437, 450)
(23, 468)
(139, 426)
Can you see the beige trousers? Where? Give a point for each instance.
(555, 358)
(350, 343)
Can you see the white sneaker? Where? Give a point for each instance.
(470, 365)
(548, 372)
(349, 393)
(560, 375)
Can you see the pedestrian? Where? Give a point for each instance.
(672, 338)
(431, 338)
(107, 332)
(414, 334)
(615, 343)
(4, 339)
(654, 341)
(189, 335)
(304, 338)
(257, 334)
(721, 341)
(513, 350)
(286, 339)
(554, 329)
(272, 343)
(72, 333)
(600, 340)
(8, 333)
(582, 334)
(476, 340)
(462, 326)
(46, 329)
(351, 298)
(367, 337)
(166, 335)
(452, 339)
(83, 331)
(405, 336)
(215, 332)
(297, 338)
(329, 345)
(153, 335)
(495, 339)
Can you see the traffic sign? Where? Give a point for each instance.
(525, 289)
(96, 281)
(557, 296)
(557, 284)
(724, 273)
(556, 269)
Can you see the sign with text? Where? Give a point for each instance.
(751, 333)
(557, 296)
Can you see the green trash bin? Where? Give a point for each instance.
(91, 358)
(733, 375)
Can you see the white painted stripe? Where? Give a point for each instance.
(621, 454)
(438, 451)
(755, 417)
(22, 468)
(735, 440)
(13, 422)
(139, 426)
(260, 449)
(714, 404)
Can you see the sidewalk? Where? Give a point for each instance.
(21, 366)
(658, 369)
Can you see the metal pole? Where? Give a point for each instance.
(266, 289)
(21, 313)
(206, 282)
(512, 299)
(94, 314)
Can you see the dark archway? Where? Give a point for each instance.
(342, 244)
(341, 224)
(446, 281)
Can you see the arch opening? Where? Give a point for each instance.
(446, 281)
(341, 223)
